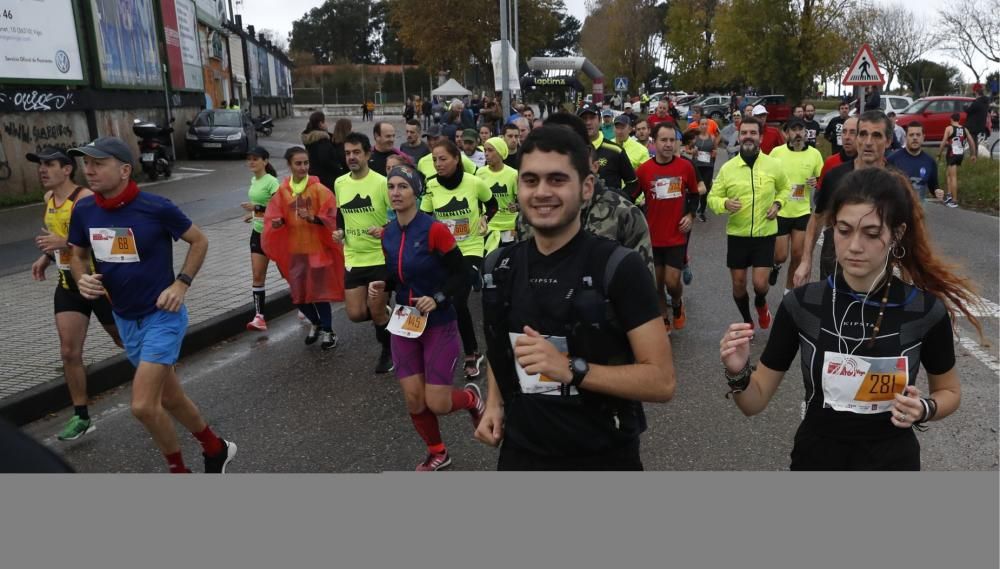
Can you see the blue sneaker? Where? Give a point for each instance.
(687, 275)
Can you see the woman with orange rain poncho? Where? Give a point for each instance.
(298, 236)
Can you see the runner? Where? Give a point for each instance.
(802, 165)
(834, 129)
(697, 118)
(485, 133)
(414, 147)
(662, 114)
(362, 215)
(607, 124)
(863, 334)
(426, 164)
(642, 136)
(670, 186)
(812, 127)
(512, 136)
(566, 377)
(72, 310)
(457, 200)
(131, 234)
(874, 131)
(731, 135)
(955, 139)
(425, 268)
(385, 144)
(772, 137)
(299, 222)
(637, 152)
(705, 146)
(470, 144)
(614, 168)
(752, 189)
(501, 179)
(848, 150)
(917, 164)
(263, 185)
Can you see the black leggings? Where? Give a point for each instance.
(319, 314)
(465, 326)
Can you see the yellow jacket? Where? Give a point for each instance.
(757, 189)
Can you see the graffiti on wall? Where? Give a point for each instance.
(25, 100)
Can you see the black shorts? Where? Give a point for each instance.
(746, 252)
(626, 458)
(358, 277)
(956, 159)
(72, 301)
(255, 243)
(787, 224)
(669, 256)
(816, 452)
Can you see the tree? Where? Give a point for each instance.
(624, 37)
(691, 43)
(973, 22)
(566, 40)
(928, 78)
(348, 31)
(276, 40)
(895, 34)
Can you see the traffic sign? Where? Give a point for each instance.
(864, 71)
(621, 84)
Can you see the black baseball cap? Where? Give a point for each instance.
(794, 122)
(259, 151)
(49, 153)
(433, 132)
(105, 147)
(588, 108)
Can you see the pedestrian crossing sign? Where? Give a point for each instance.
(621, 84)
(864, 71)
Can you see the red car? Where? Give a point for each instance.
(934, 113)
(778, 109)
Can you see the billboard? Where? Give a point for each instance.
(282, 78)
(183, 55)
(212, 12)
(271, 64)
(127, 50)
(263, 72)
(38, 42)
(254, 78)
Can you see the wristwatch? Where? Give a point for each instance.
(439, 298)
(580, 368)
(184, 278)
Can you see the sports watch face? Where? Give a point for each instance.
(579, 366)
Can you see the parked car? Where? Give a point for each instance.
(778, 109)
(895, 103)
(934, 113)
(220, 132)
(713, 106)
(684, 107)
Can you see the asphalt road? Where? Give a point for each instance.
(294, 408)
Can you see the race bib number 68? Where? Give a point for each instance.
(114, 244)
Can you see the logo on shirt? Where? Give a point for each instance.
(498, 190)
(455, 206)
(359, 205)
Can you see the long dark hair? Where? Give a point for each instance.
(340, 130)
(264, 155)
(293, 151)
(314, 121)
(895, 203)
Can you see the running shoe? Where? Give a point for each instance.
(258, 323)
(764, 317)
(686, 274)
(217, 464)
(385, 364)
(301, 316)
(76, 428)
(701, 217)
(476, 412)
(435, 461)
(949, 201)
(772, 279)
(327, 339)
(312, 336)
(680, 319)
(472, 365)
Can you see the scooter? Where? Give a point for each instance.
(155, 154)
(263, 124)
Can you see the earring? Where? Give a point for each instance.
(898, 251)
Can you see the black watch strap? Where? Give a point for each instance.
(186, 279)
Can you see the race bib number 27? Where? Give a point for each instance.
(114, 244)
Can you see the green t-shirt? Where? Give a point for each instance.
(503, 186)
(364, 204)
(798, 167)
(426, 165)
(261, 190)
(459, 210)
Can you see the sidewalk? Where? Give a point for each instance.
(30, 360)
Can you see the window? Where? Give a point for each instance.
(219, 118)
(940, 107)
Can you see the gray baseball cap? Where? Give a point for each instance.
(106, 147)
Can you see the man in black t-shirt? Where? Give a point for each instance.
(812, 127)
(385, 146)
(834, 130)
(574, 336)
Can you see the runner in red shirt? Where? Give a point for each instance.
(662, 114)
(670, 186)
(771, 138)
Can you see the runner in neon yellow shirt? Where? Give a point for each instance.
(501, 179)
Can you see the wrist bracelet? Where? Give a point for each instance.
(740, 381)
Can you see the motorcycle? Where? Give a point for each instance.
(155, 155)
(263, 124)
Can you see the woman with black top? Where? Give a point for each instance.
(323, 161)
(863, 333)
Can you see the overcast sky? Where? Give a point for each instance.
(280, 15)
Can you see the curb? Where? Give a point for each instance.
(51, 396)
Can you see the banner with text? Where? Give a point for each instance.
(127, 48)
(183, 55)
(38, 41)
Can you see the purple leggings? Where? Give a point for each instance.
(434, 354)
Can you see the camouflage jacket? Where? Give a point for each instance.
(610, 215)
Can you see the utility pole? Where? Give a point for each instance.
(504, 62)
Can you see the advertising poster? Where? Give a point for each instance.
(282, 78)
(125, 35)
(271, 73)
(183, 55)
(263, 75)
(38, 42)
(252, 64)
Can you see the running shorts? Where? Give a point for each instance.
(255, 243)
(71, 301)
(956, 160)
(669, 256)
(154, 338)
(357, 277)
(787, 224)
(746, 252)
(434, 354)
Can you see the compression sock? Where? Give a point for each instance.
(382, 335)
(677, 307)
(258, 299)
(210, 442)
(426, 424)
(743, 303)
(175, 462)
(462, 399)
(82, 412)
(760, 300)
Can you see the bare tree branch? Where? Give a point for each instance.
(974, 22)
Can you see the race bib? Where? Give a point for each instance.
(863, 385)
(956, 146)
(62, 259)
(704, 157)
(114, 244)
(459, 228)
(798, 192)
(539, 383)
(407, 322)
(258, 212)
(507, 236)
(667, 188)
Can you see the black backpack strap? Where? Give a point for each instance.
(617, 256)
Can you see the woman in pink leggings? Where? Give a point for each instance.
(426, 272)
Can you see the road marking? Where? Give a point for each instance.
(174, 178)
(976, 351)
(195, 169)
(985, 309)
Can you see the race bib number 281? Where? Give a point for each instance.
(864, 385)
(114, 244)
